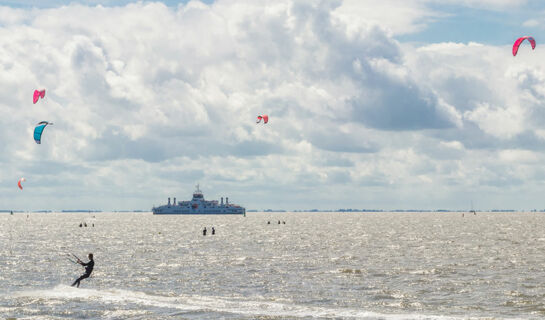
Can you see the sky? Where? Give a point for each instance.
(397, 104)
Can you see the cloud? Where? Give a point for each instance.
(410, 16)
(485, 83)
(396, 17)
(499, 122)
(485, 4)
(156, 98)
(531, 23)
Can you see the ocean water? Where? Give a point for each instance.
(316, 266)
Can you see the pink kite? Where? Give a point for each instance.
(520, 40)
(19, 183)
(37, 95)
(264, 117)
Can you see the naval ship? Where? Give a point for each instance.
(198, 205)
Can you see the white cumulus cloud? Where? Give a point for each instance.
(148, 100)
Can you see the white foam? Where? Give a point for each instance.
(217, 304)
(114, 296)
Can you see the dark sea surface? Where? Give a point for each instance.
(317, 265)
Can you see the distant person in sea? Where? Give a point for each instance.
(268, 222)
(204, 231)
(283, 222)
(213, 230)
(85, 224)
(88, 269)
(278, 221)
(80, 225)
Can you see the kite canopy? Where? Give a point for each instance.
(517, 43)
(38, 130)
(37, 95)
(19, 183)
(264, 117)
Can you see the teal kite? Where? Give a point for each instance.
(38, 130)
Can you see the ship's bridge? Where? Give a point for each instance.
(197, 194)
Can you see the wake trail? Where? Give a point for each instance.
(206, 304)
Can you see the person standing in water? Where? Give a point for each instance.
(88, 269)
(213, 230)
(204, 231)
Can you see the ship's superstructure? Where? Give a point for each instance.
(197, 205)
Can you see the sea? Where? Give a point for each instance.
(311, 265)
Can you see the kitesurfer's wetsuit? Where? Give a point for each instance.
(88, 269)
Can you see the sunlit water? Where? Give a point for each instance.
(317, 265)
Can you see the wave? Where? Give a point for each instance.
(210, 304)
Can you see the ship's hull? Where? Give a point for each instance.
(200, 214)
(173, 210)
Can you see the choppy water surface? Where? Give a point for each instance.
(317, 265)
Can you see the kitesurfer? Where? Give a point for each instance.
(88, 269)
